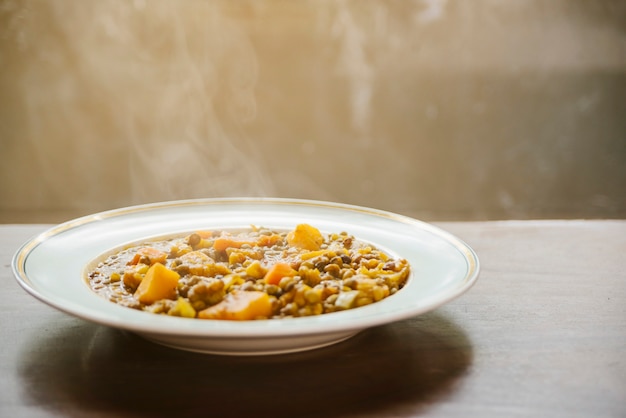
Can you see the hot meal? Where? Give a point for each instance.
(249, 274)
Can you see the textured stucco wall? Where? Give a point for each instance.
(438, 109)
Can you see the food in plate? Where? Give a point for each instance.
(250, 274)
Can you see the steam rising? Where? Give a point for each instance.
(430, 106)
(159, 90)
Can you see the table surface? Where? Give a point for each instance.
(542, 333)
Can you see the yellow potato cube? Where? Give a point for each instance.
(158, 283)
(306, 237)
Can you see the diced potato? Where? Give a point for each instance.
(256, 270)
(133, 275)
(240, 305)
(310, 276)
(158, 283)
(231, 280)
(306, 237)
(236, 257)
(299, 297)
(183, 308)
(239, 256)
(365, 283)
(380, 292)
(346, 300)
(200, 264)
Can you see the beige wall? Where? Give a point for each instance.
(437, 109)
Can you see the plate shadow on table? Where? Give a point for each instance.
(400, 368)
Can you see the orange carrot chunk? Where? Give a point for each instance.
(205, 234)
(268, 240)
(224, 242)
(277, 272)
(239, 306)
(149, 256)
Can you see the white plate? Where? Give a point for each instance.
(51, 268)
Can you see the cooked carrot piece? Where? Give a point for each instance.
(205, 234)
(148, 255)
(240, 305)
(224, 242)
(277, 272)
(268, 240)
(158, 283)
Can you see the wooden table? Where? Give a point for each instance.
(541, 334)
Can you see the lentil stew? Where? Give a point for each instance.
(250, 274)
